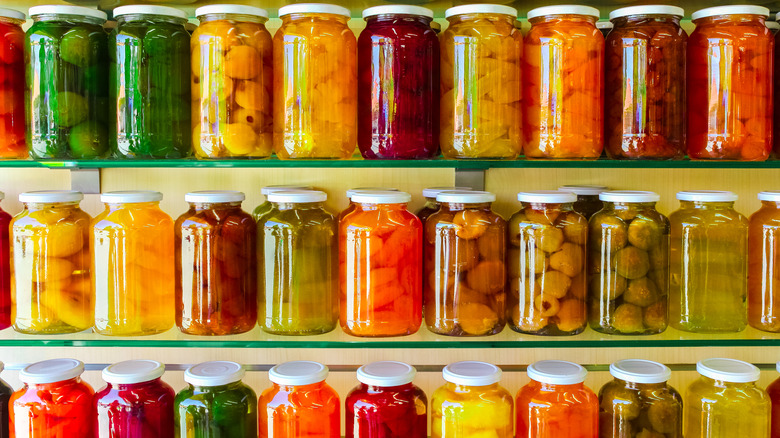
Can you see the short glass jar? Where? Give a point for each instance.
(13, 144)
(431, 205)
(5, 269)
(265, 206)
(588, 202)
(763, 267)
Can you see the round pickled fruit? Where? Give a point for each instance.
(568, 260)
(663, 416)
(71, 109)
(242, 62)
(571, 315)
(240, 138)
(614, 289)
(536, 261)
(466, 254)
(631, 262)
(628, 319)
(547, 306)
(480, 320)
(641, 292)
(576, 229)
(517, 223)
(75, 47)
(609, 231)
(548, 238)
(644, 233)
(655, 316)
(471, 224)
(619, 399)
(578, 288)
(555, 284)
(88, 140)
(487, 277)
(490, 246)
(544, 217)
(532, 323)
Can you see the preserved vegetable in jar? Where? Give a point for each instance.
(763, 267)
(481, 53)
(398, 84)
(588, 202)
(12, 119)
(730, 84)
(431, 205)
(773, 390)
(266, 206)
(562, 93)
(546, 260)
(216, 265)
(315, 75)
(465, 275)
(5, 272)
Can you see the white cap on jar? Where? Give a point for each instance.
(313, 8)
(728, 370)
(80, 11)
(351, 192)
(299, 372)
(557, 372)
(215, 196)
(563, 10)
(133, 371)
(149, 10)
(730, 10)
(640, 371)
(629, 196)
(466, 197)
(547, 197)
(267, 190)
(12, 14)
(386, 373)
(647, 10)
(231, 9)
(472, 373)
(297, 196)
(397, 10)
(432, 192)
(481, 9)
(583, 190)
(214, 373)
(47, 196)
(50, 371)
(762, 196)
(380, 197)
(130, 197)
(707, 196)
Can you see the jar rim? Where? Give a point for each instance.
(133, 371)
(564, 10)
(231, 9)
(547, 197)
(50, 196)
(51, 371)
(313, 8)
(707, 196)
(149, 10)
(728, 370)
(557, 372)
(647, 10)
(640, 371)
(353, 192)
(67, 10)
(130, 196)
(214, 373)
(386, 373)
(215, 196)
(267, 190)
(298, 372)
(472, 373)
(12, 14)
(730, 10)
(397, 10)
(380, 197)
(297, 196)
(465, 197)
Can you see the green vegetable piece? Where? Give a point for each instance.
(76, 47)
(72, 109)
(641, 292)
(88, 140)
(628, 319)
(620, 401)
(632, 263)
(644, 233)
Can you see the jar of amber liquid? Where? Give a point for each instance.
(730, 84)
(546, 260)
(562, 93)
(51, 292)
(133, 268)
(464, 249)
(763, 267)
(315, 83)
(431, 204)
(708, 264)
(266, 206)
(588, 202)
(480, 83)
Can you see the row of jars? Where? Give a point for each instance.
(398, 92)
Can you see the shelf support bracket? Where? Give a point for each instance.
(86, 181)
(474, 178)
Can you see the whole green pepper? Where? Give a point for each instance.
(228, 411)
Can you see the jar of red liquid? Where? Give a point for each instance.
(5, 396)
(398, 84)
(431, 204)
(774, 395)
(299, 403)
(556, 404)
(135, 403)
(380, 265)
(386, 403)
(5, 268)
(12, 122)
(730, 84)
(763, 264)
(54, 402)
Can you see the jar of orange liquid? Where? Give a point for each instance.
(763, 267)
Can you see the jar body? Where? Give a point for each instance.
(296, 411)
(628, 409)
(480, 87)
(557, 411)
(315, 74)
(51, 292)
(216, 278)
(708, 268)
(563, 93)
(298, 270)
(228, 411)
(53, 410)
(730, 89)
(5, 396)
(465, 275)
(67, 94)
(135, 410)
(645, 88)
(133, 269)
(720, 410)
(471, 411)
(232, 87)
(773, 391)
(13, 144)
(391, 412)
(5, 271)
(398, 88)
(546, 260)
(763, 268)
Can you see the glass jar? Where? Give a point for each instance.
(556, 403)
(13, 144)
(315, 76)
(135, 401)
(51, 292)
(216, 265)
(763, 269)
(546, 261)
(639, 402)
(54, 402)
(215, 404)
(730, 84)
(266, 206)
(133, 268)
(464, 254)
(386, 403)
(471, 403)
(380, 259)
(725, 401)
(588, 202)
(299, 403)
(5, 271)
(67, 87)
(644, 83)
(773, 391)
(563, 72)
(708, 264)
(232, 84)
(5, 395)
(431, 205)
(628, 265)
(298, 270)
(480, 83)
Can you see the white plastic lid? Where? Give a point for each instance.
(432, 192)
(133, 371)
(231, 9)
(583, 190)
(299, 372)
(466, 197)
(215, 373)
(728, 370)
(730, 10)
(472, 373)
(547, 197)
(557, 372)
(647, 10)
(130, 196)
(297, 196)
(397, 10)
(215, 196)
(51, 196)
(380, 197)
(150, 10)
(67, 10)
(12, 13)
(50, 371)
(351, 192)
(267, 190)
(762, 196)
(386, 373)
(480, 9)
(640, 371)
(563, 10)
(313, 8)
(773, 25)
(629, 196)
(707, 196)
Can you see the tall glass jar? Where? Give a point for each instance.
(215, 404)
(398, 84)
(480, 83)
(431, 205)
(465, 275)
(135, 402)
(216, 262)
(13, 144)
(299, 403)
(708, 264)
(730, 84)
(5, 269)
(266, 206)
(232, 83)
(639, 402)
(5, 395)
(380, 259)
(315, 72)
(54, 402)
(51, 292)
(546, 265)
(763, 267)
(644, 83)
(556, 403)
(133, 268)
(386, 403)
(588, 202)
(471, 403)
(563, 94)
(298, 267)
(773, 391)
(725, 401)
(66, 54)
